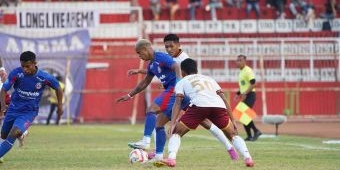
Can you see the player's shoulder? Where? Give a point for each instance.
(159, 55)
(18, 70)
(43, 73)
(183, 55)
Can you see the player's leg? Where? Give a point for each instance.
(149, 126)
(162, 119)
(20, 125)
(250, 101)
(5, 129)
(207, 124)
(190, 120)
(221, 119)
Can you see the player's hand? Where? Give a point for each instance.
(243, 96)
(123, 98)
(171, 129)
(132, 72)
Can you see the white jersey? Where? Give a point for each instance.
(201, 90)
(182, 56)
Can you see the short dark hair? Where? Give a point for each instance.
(27, 56)
(189, 66)
(171, 37)
(243, 56)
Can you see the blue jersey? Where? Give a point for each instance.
(160, 67)
(27, 89)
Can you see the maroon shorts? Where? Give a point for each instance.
(195, 115)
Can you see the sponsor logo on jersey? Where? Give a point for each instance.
(38, 86)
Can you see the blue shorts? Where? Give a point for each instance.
(20, 120)
(167, 99)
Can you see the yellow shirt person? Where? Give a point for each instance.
(246, 74)
(247, 93)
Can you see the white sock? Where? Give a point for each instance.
(173, 146)
(220, 136)
(241, 146)
(159, 156)
(147, 140)
(154, 136)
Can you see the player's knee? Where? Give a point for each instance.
(153, 108)
(15, 132)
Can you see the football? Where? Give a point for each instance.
(138, 155)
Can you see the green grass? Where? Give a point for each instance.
(105, 147)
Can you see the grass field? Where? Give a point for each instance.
(105, 147)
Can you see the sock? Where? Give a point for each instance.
(241, 146)
(154, 137)
(220, 136)
(6, 145)
(161, 139)
(173, 146)
(247, 128)
(150, 123)
(146, 139)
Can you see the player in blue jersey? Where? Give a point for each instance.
(28, 83)
(168, 72)
(173, 48)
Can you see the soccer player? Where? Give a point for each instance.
(247, 93)
(167, 71)
(173, 48)
(28, 83)
(207, 101)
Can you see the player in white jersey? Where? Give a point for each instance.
(173, 48)
(207, 101)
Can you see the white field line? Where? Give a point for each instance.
(308, 147)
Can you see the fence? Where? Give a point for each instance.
(295, 76)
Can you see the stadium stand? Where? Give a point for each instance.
(114, 35)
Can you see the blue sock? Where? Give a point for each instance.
(150, 123)
(6, 145)
(160, 139)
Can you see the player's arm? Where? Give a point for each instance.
(140, 87)
(221, 94)
(59, 93)
(3, 102)
(177, 69)
(137, 71)
(176, 109)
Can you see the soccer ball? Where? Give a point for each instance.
(138, 155)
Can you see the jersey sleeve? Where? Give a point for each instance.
(12, 77)
(216, 86)
(167, 61)
(179, 88)
(52, 82)
(250, 74)
(149, 71)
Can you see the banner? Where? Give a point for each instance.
(243, 113)
(65, 56)
(57, 18)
